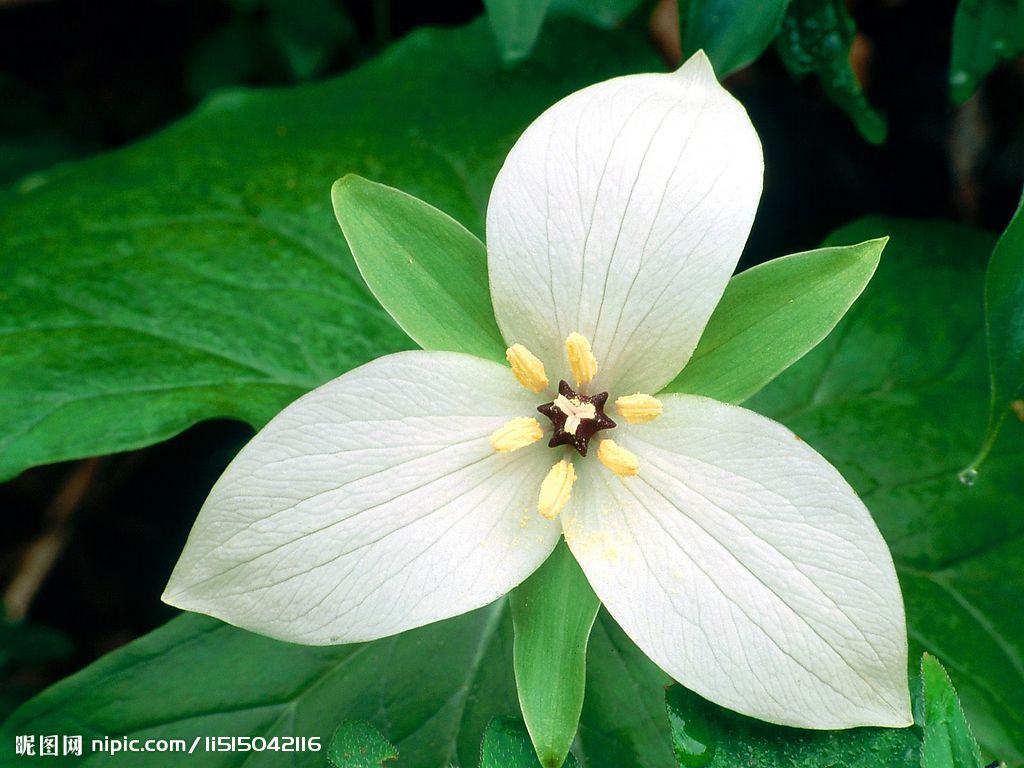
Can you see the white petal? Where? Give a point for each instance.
(372, 505)
(620, 213)
(743, 564)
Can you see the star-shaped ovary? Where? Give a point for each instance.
(576, 417)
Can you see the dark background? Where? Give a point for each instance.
(79, 77)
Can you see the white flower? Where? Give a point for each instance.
(419, 486)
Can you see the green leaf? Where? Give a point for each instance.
(948, 742)
(358, 745)
(893, 397)
(985, 34)
(431, 692)
(623, 722)
(516, 25)
(308, 34)
(201, 274)
(1004, 310)
(1004, 327)
(704, 734)
(815, 38)
(603, 13)
(771, 315)
(427, 270)
(24, 645)
(732, 32)
(506, 744)
(22, 642)
(552, 613)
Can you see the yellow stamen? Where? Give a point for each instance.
(617, 459)
(638, 408)
(556, 489)
(581, 359)
(516, 434)
(527, 368)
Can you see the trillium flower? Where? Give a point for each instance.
(426, 483)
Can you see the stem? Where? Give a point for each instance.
(42, 554)
(995, 424)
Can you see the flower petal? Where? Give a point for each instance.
(743, 564)
(372, 505)
(620, 213)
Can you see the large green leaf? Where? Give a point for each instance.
(948, 742)
(985, 34)
(623, 722)
(553, 612)
(815, 38)
(431, 692)
(201, 274)
(731, 32)
(507, 744)
(895, 398)
(424, 267)
(772, 315)
(704, 734)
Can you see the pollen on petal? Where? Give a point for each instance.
(528, 369)
(516, 434)
(620, 461)
(556, 489)
(638, 408)
(581, 358)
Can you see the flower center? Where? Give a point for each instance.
(576, 417)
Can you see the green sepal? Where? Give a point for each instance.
(553, 612)
(427, 270)
(772, 315)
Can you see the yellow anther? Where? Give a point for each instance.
(527, 368)
(617, 459)
(516, 434)
(638, 408)
(581, 359)
(556, 489)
